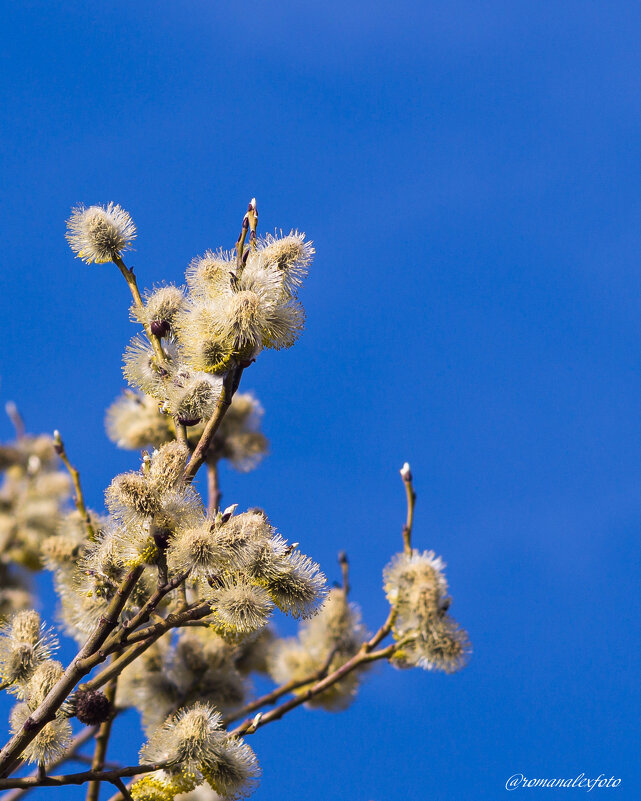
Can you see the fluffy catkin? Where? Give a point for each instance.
(100, 233)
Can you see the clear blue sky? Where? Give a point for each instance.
(469, 172)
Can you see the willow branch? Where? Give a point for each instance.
(102, 741)
(143, 639)
(270, 698)
(250, 221)
(80, 778)
(124, 790)
(142, 616)
(78, 741)
(406, 475)
(130, 278)
(363, 657)
(230, 383)
(213, 489)
(85, 660)
(79, 498)
(343, 561)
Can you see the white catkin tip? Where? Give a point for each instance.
(406, 472)
(253, 203)
(10, 408)
(56, 434)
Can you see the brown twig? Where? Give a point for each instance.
(363, 657)
(80, 778)
(78, 741)
(79, 498)
(123, 789)
(102, 741)
(270, 698)
(86, 659)
(213, 490)
(142, 616)
(142, 640)
(130, 278)
(230, 383)
(406, 475)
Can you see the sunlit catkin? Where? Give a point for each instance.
(100, 233)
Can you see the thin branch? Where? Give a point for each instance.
(250, 221)
(80, 778)
(123, 789)
(250, 725)
(230, 383)
(130, 278)
(78, 741)
(213, 490)
(79, 498)
(142, 616)
(16, 418)
(86, 659)
(142, 640)
(406, 475)
(102, 741)
(270, 698)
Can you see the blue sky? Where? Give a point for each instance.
(469, 173)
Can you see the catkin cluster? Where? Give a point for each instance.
(428, 637)
(195, 586)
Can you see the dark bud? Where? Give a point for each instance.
(188, 421)
(159, 328)
(92, 707)
(246, 363)
(58, 448)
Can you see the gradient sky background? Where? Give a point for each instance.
(469, 173)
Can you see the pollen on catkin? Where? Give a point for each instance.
(240, 607)
(296, 585)
(100, 233)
